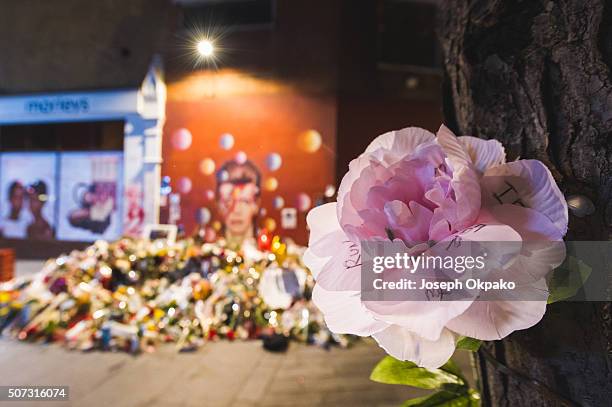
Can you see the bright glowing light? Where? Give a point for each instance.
(202, 45)
(98, 314)
(206, 48)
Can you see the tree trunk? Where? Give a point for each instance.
(536, 75)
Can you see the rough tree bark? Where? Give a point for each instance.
(536, 75)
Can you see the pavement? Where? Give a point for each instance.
(219, 374)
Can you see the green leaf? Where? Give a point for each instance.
(567, 279)
(452, 368)
(445, 399)
(392, 371)
(467, 343)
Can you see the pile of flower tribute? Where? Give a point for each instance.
(134, 294)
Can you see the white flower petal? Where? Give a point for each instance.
(424, 318)
(467, 195)
(465, 182)
(403, 344)
(344, 313)
(531, 224)
(342, 269)
(331, 257)
(314, 262)
(543, 248)
(491, 320)
(322, 220)
(484, 153)
(527, 183)
(455, 151)
(356, 166)
(401, 142)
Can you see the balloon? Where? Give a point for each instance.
(203, 216)
(270, 184)
(264, 239)
(165, 187)
(210, 194)
(274, 161)
(309, 141)
(181, 139)
(278, 202)
(303, 202)
(223, 176)
(217, 225)
(240, 157)
(330, 191)
(184, 185)
(263, 212)
(207, 166)
(270, 224)
(226, 141)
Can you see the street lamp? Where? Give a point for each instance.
(205, 48)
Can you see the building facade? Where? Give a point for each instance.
(111, 100)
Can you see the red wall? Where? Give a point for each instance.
(264, 117)
(363, 118)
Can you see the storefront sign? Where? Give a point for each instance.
(68, 106)
(59, 104)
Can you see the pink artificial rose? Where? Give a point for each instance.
(421, 189)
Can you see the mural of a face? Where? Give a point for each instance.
(238, 198)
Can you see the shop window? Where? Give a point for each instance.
(61, 181)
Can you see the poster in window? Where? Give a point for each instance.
(28, 195)
(90, 191)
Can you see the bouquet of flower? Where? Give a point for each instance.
(422, 191)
